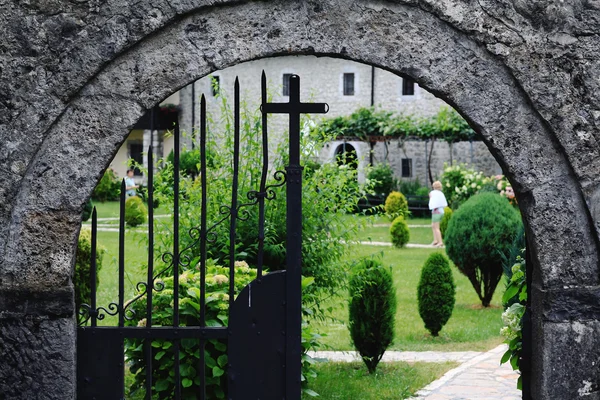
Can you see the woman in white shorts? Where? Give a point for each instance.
(437, 202)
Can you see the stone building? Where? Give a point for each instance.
(345, 86)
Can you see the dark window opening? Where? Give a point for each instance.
(216, 85)
(408, 87)
(407, 167)
(345, 154)
(135, 153)
(349, 84)
(286, 84)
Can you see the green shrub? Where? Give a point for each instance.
(445, 220)
(135, 211)
(478, 234)
(88, 207)
(109, 187)
(372, 311)
(399, 232)
(81, 273)
(217, 305)
(396, 205)
(422, 191)
(459, 183)
(383, 176)
(411, 187)
(436, 293)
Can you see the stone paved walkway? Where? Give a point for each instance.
(480, 375)
(389, 244)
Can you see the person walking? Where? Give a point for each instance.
(130, 185)
(437, 202)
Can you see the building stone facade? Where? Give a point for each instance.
(323, 81)
(76, 76)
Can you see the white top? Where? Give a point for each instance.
(437, 200)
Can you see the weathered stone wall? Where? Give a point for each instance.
(75, 76)
(391, 152)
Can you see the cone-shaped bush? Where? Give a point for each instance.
(436, 293)
(135, 211)
(396, 205)
(372, 311)
(399, 232)
(478, 234)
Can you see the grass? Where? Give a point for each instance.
(471, 327)
(344, 381)
(108, 277)
(391, 381)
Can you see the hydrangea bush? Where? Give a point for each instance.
(459, 183)
(513, 316)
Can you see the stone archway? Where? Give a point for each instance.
(524, 76)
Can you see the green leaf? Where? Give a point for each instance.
(217, 371)
(186, 382)
(510, 292)
(161, 385)
(222, 360)
(160, 355)
(506, 356)
(310, 392)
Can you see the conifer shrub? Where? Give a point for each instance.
(445, 220)
(399, 232)
(135, 211)
(372, 311)
(83, 263)
(436, 293)
(396, 205)
(478, 234)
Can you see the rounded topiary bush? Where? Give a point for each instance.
(372, 311)
(81, 274)
(479, 233)
(396, 205)
(135, 211)
(399, 232)
(436, 293)
(445, 220)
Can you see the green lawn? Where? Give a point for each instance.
(392, 381)
(469, 328)
(108, 278)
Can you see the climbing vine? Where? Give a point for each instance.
(366, 124)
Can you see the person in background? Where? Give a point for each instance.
(130, 185)
(437, 202)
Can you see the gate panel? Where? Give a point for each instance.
(257, 341)
(254, 349)
(99, 372)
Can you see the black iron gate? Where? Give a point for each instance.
(263, 335)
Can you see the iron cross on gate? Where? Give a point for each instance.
(293, 108)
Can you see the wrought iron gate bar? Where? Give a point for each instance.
(122, 255)
(93, 267)
(176, 259)
(203, 179)
(150, 282)
(294, 233)
(161, 332)
(263, 180)
(234, 189)
(121, 310)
